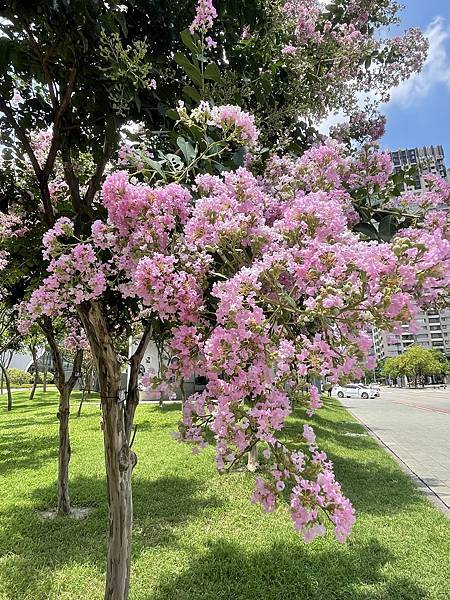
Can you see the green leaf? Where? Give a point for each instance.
(172, 114)
(5, 53)
(176, 160)
(238, 157)
(212, 72)
(156, 167)
(192, 93)
(187, 149)
(387, 228)
(367, 229)
(191, 70)
(188, 41)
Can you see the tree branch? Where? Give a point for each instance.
(43, 58)
(47, 327)
(6, 110)
(133, 390)
(57, 122)
(76, 369)
(108, 147)
(40, 176)
(71, 179)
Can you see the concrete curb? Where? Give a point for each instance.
(418, 481)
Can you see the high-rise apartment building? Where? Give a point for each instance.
(434, 325)
(428, 159)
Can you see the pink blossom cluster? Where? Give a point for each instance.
(134, 157)
(361, 127)
(233, 119)
(405, 56)
(204, 16)
(310, 270)
(50, 240)
(329, 167)
(170, 291)
(3, 259)
(304, 16)
(236, 124)
(75, 338)
(40, 143)
(229, 210)
(76, 276)
(376, 64)
(12, 225)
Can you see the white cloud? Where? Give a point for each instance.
(330, 120)
(436, 70)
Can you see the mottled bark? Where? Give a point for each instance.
(119, 459)
(63, 506)
(65, 388)
(118, 416)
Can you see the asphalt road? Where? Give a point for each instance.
(415, 425)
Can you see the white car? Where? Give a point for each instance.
(354, 390)
(376, 388)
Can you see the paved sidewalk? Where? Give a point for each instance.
(415, 426)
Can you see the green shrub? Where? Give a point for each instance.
(50, 377)
(19, 377)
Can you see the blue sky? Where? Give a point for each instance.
(419, 111)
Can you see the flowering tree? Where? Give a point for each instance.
(259, 269)
(261, 285)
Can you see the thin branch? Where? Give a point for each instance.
(56, 138)
(76, 369)
(43, 58)
(71, 179)
(6, 110)
(108, 147)
(133, 391)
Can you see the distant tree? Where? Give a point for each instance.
(32, 342)
(9, 341)
(416, 363)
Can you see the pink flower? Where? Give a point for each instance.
(234, 119)
(210, 42)
(288, 50)
(204, 16)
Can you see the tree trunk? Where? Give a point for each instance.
(8, 386)
(36, 372)
(65, 389)
(119, 458)
(83, 395)
(252, 461)
(63, 506)
(119, 461)
(44, 377)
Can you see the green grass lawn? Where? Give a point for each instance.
(196, 534)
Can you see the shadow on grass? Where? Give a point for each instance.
(289, 572)
(20, 451)
(161, 507)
